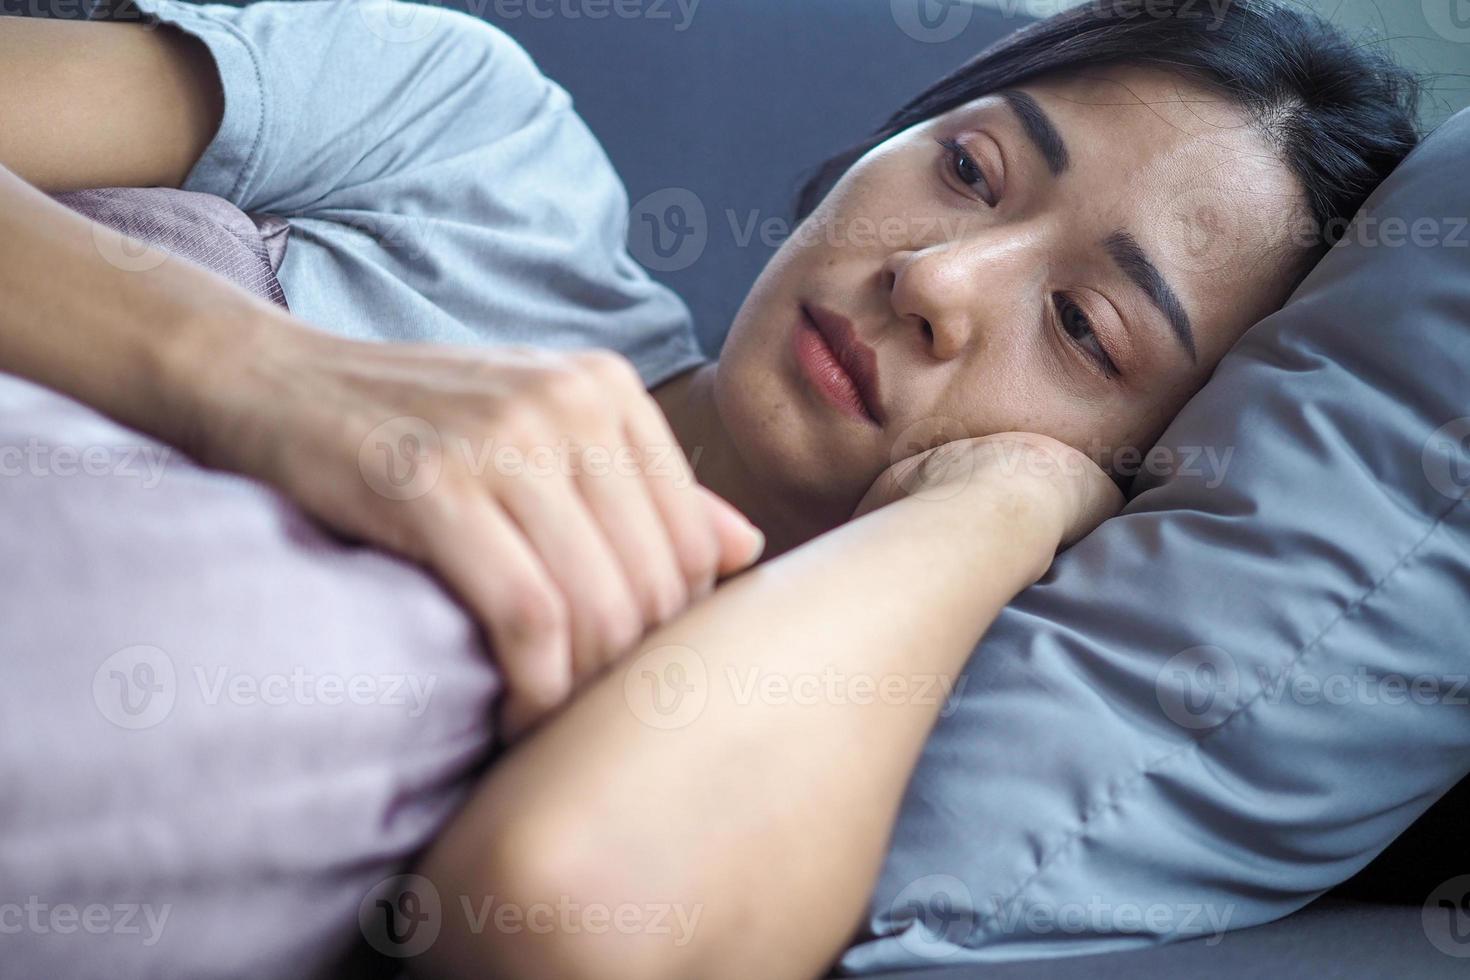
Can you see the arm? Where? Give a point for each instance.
(764, 820)
(133, 345)
(327, 114)
(238, 383)
(103, 105)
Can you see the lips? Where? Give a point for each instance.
(853, 356)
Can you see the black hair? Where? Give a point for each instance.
(1340, 115)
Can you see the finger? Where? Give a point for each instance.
(483, 557)
(554, 518)
(741, 543)
(690, 518)
(617, 494)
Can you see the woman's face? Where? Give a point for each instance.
(1072, 257)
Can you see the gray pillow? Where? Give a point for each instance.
(1234, 695)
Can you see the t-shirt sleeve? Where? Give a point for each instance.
(439, 186)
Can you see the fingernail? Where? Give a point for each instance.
(760, 544)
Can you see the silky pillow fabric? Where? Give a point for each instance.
(1234, 695)
(203, 228)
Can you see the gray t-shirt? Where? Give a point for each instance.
(438, 186)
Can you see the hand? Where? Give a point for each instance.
(1074, 493)
(544, 488)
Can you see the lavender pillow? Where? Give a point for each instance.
(221, 728)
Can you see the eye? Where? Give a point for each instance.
(1078, 327)
(967, 171)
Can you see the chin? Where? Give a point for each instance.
(772, 428)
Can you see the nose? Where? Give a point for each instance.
(961, 293)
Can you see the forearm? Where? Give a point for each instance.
(90, 104)
(129, 343)
(765, 814)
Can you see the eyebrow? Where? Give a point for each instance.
(1039, 129)
(1135, 263)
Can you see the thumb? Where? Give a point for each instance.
(741, 542)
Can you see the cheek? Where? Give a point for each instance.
(1005, 388)
(875, 207)
(839, 248)
(1113, 438)
(1016, 388)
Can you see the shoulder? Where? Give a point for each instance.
(450, 42)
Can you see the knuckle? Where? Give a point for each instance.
(436, 512)
(542, 696)
(670, 598)
(519, 423)
(609, 367)
(570, 390)
(535, 609)
(619, 627)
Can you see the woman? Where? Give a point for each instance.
(1030, 311)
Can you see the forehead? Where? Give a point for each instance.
(1151, 135)
(1184, 170)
